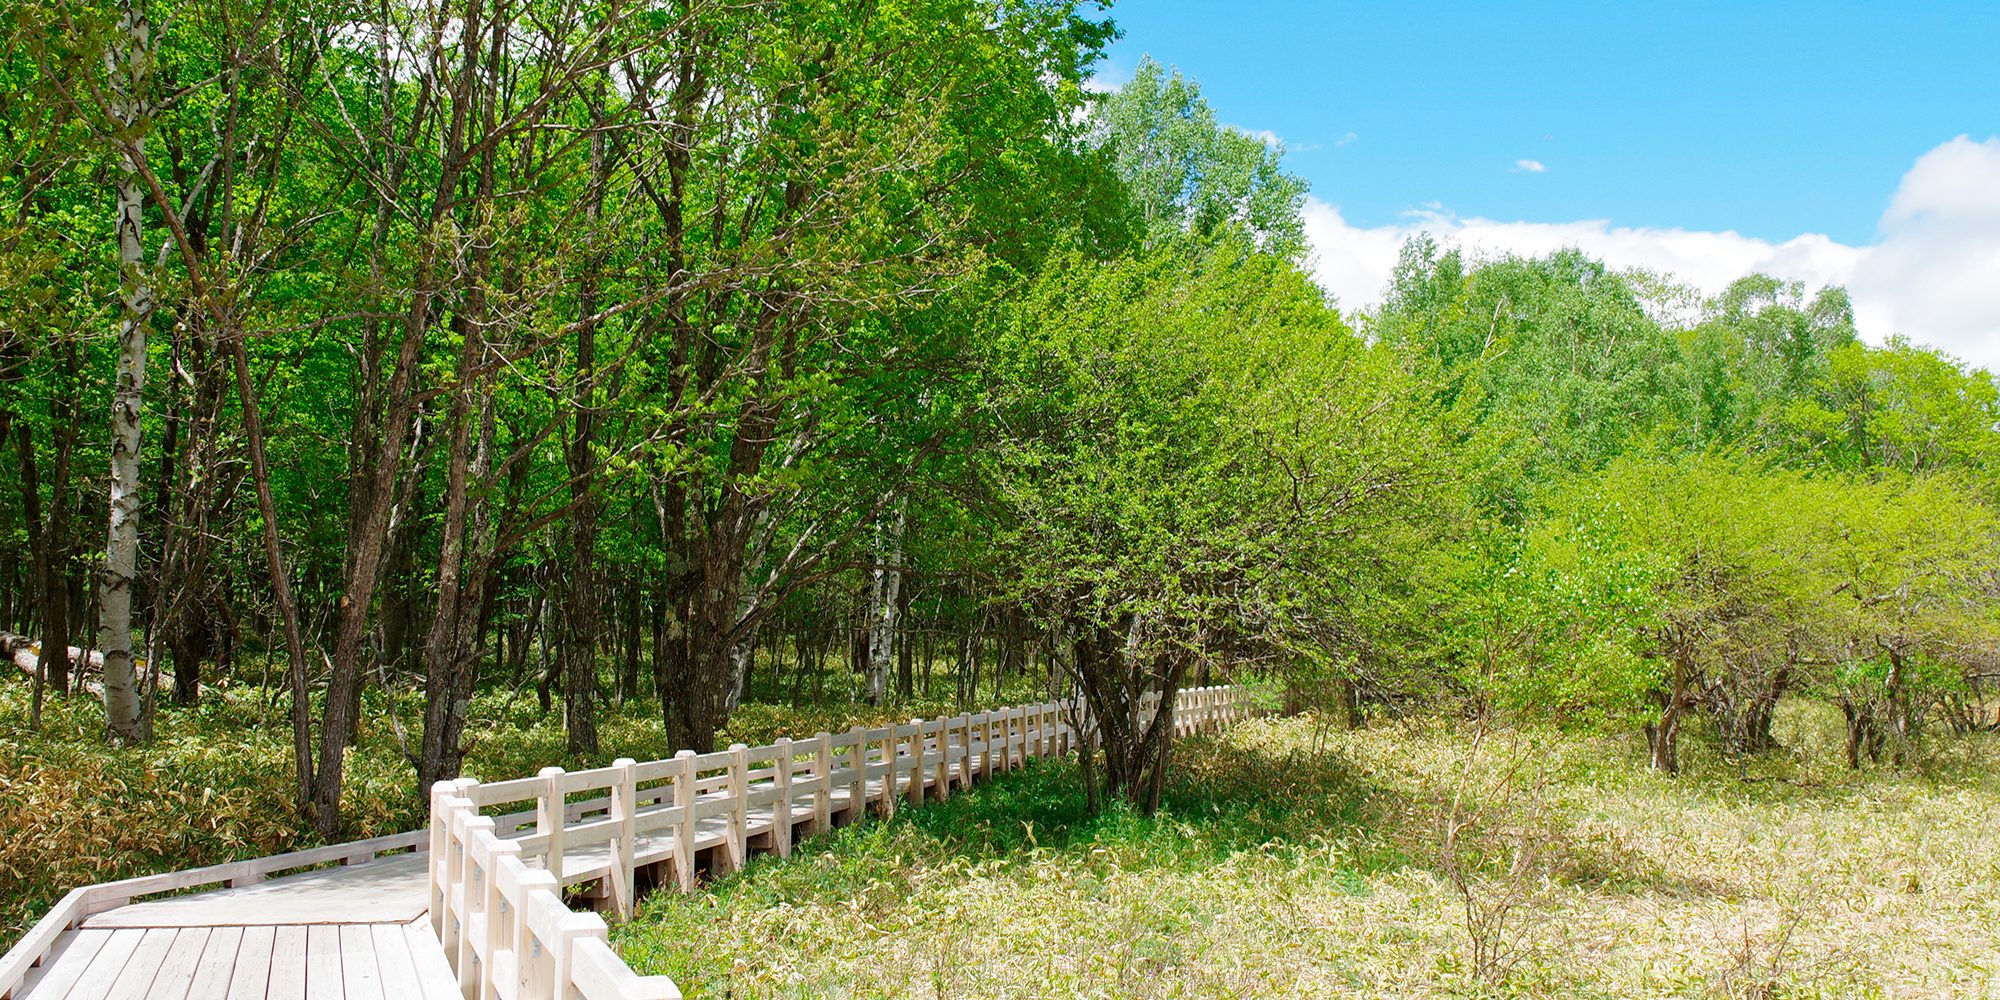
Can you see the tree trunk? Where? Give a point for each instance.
(906, 651)
(124, 713)
(1131, 705)
(1663, 743)
(49, 543)
(465, 555)
(884, 603)
(628, 673)
(581, 612)
(281, 582)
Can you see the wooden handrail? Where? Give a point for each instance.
(496, 891)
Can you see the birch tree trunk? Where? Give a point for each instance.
(124, 715)
(884, 607)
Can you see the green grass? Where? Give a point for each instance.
(1293, 863)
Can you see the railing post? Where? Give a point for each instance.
(570, 929)
(473, 968)
(857, 778)
(497, 931)
(624, 857)
(822, 782)
(684, 851)
(534, 957)
(987, 762)
(441, 792)
(448, 866)
(941, 774)
(889, 771)
(915, 791)
(964, 725)
(781, 810)
(739, 805)
(551, 814)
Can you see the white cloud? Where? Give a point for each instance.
(1344, 140)
(1933, 273)
(1529, 167)
(1263, 135)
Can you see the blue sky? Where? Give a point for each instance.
(1772, 119)
(1791, 126)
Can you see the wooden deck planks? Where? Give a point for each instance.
(66, 964)
(324, 978)
(392, 959)
(135, 980)
(391, 890)
(217, 964)
(287, 965)
(359, 970)
(435, 980)
(176, 973)
(100, 976)
(386, 961)
(251, 975)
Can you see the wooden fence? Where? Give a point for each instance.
(504, 855)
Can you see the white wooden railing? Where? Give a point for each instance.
(503, 853)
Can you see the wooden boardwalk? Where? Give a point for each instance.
(357, 930)
(377, 961)
(479, 905)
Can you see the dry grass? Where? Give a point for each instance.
(1278, 872)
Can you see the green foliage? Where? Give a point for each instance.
(1186, 175)
(1671, 516)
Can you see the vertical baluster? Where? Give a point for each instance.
(889, 790)
(624, 856)
(739, 805)
(941, 772)
(781, 810)
(551, 815)
(822, 782)
(473, 969)
(989, 758)
(683, 778)
(921, 771)
(499, 916)
(857, 778)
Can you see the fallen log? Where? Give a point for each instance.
(86, 668)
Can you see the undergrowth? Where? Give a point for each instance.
(1290, 863)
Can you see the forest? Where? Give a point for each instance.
(394, 390)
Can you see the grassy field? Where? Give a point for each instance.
(1296, 863)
